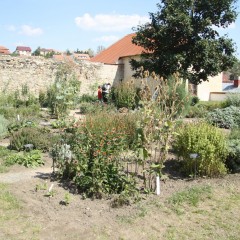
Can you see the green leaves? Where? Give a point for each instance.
(181, 36)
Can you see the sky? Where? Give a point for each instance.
(77, 24)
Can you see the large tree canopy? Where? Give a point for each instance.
(182, 37)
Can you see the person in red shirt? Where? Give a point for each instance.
(99, 93)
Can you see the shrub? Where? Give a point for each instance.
(233, 99)
(3, 125)
(27, 159)
(90, 155)
(194, 100)
(210, 145)
(225, 118)
(233, 158)
(125, 95)
(87, 98)
(40, 139)
(87, 107)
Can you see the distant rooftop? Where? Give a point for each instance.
(4, 50)
(122, 48)
(23, 48)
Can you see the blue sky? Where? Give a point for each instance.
(77, 24)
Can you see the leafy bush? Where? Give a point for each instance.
(88, 107)
(210, 145)
(233, 99)
(40, 139)
(90, 155)
(125, 95)
(197, 111)
(87, 98)
(233, 158)
(225, 118)
(3, 125)
(62, 95)
(27, 159)
(23, 112)
(194, 100)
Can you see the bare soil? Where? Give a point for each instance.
(49, 218)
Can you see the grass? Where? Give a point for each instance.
(13, 224)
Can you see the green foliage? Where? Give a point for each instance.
(62, 95)
(195, 100)
(201, 109)
(233, 158)
(235, 70)
(40, 139)
(90, 156)
(87, 98)
(208, 142)
(3, 125)
(225, 118)
(182, 36)
(233, 99)
(27, 159)
(88, 107)
(125, 95)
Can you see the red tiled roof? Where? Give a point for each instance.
(22, 48)
(4, 50)
(122, 48)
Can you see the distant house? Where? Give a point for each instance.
(4, 50)
(121, 52)
(81, 56)
(23, 51)
(45, 51)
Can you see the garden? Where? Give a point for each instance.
(96, 171)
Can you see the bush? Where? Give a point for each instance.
(27, 159)
(40, 139)
(233, 99)
(125, 95)
(195, 100)
(87, 98)
(233, 158)
(87, 107)
(90, 156)
(225, 118)
(210, 145)
(3, 125)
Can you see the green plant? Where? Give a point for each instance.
(233, 99)
(125, 95)
(3, 125)
(27, 159)
(228, 117)
(62, 95)
(195, 100)
(90, 156)
(233, 158)
(205, 140)
(87, 98)
(40, 139)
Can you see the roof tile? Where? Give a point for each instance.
(122, 48)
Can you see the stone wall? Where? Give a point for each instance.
(39, 73)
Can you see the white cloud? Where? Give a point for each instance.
(30, 31)
(112, 22)
(106, 39)
(11, 28)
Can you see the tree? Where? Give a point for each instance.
(182, 37)
(234, 72)
(100, 49)
(37, 52)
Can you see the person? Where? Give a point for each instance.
(105, 91)
(99, 94)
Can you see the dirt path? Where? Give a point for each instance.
(25, 175)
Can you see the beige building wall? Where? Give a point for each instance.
(213, 85)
